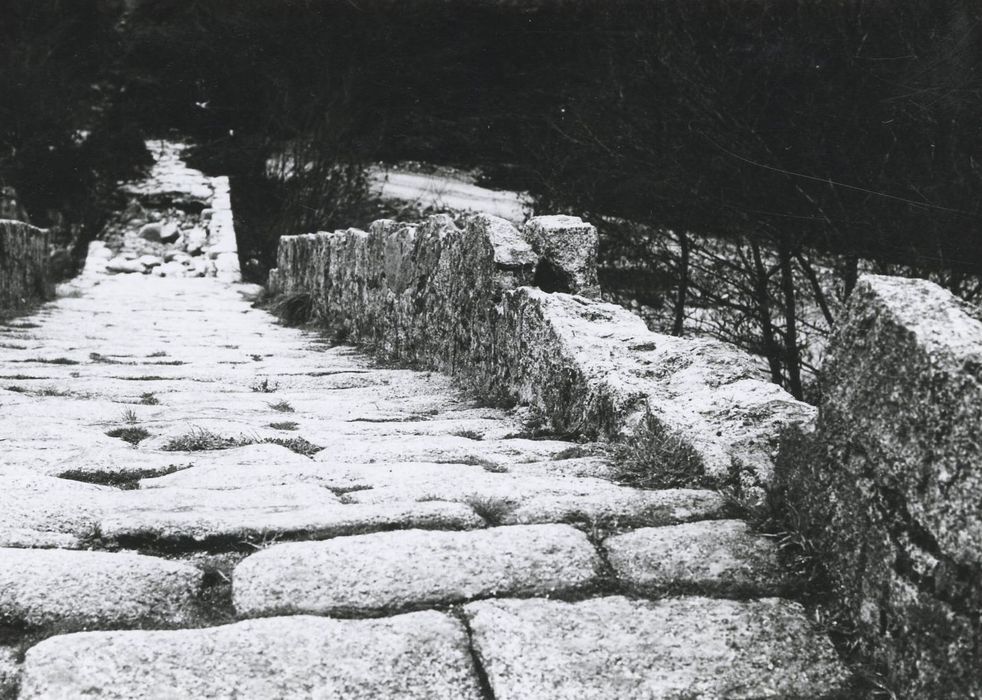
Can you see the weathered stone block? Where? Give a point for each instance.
(567, 247)
(24, 273)
(901, 425)
(419, 655)
(672, 648)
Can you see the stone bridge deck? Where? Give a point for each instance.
(295, 521)
(199, 502)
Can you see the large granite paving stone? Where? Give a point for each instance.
(415, 568)
(523, 498)
(79, 589)
(125, 463)
(45, 504)
(716, 556)
(614, 647)
(421, 655)
(202, 522)
(443, 448)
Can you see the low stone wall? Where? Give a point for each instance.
(24, 258)
(463, 300)
(896, 482)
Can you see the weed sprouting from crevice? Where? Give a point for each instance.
(655, 458)
(122, 480)
(148, 398)
(132, 435)
(53, 361)
(264, 386)
(493, 509)
(282, 407)
(129, 416)
(285, 425)
(468, 434)
(296, 444)
(201, 439)
(293, 309)
(494, 467)
(104, 360)
(577, 452)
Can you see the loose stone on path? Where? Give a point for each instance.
(392, 571)
(420, 655)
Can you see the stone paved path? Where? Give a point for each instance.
(198, 502)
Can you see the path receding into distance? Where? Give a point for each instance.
(199, 502)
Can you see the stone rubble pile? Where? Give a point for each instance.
(178, 223)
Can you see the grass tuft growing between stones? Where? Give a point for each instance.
(53, 361)
(656, 459)
(293, 309)
(265, 386)
(493, 509)
(201, 439)
(132, 435)
(149, 399)
(285, 425)
(576, 452)
(282, 407)
(298, 444)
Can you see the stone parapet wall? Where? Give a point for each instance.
(463, 300)
(24, 260)
(898, 487)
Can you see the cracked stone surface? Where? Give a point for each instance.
(80, 589)
(418, 655)
(396, 570)
(678, 647)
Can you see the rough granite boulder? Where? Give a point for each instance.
(900, 441)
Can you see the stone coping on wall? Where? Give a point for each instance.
(24, 264)
(462, 299)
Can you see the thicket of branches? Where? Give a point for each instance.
(62, 145)
(760, 150)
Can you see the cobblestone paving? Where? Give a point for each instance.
(198, 502)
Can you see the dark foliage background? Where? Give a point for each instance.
(796, 138)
